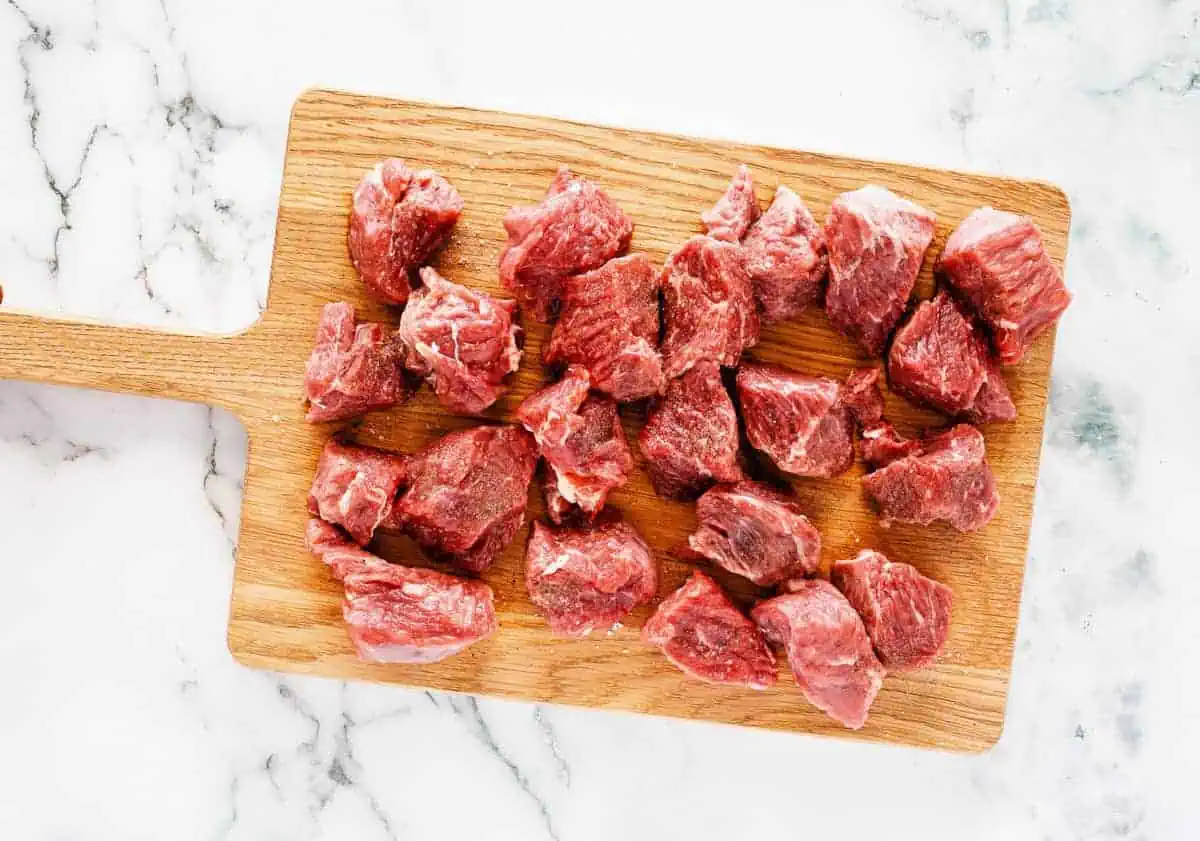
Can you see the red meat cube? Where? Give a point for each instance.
(757, 532)
(876, 242)
(583, 579)
(703, 633)
(576, 228)
(355, 487)
(881, 444)
(861, 395)
(786, 258)
(398, 614)
(610, 325)
(399, 218)
(906, 614)
(352, 369)
(996, 260)
(735, 211)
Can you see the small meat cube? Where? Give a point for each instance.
(800, 422)
(463, 342)
(467, 493)
(610, 325)
(755, 531)
(355, 487)
(576, 228)
(882, 444)
(827, 648)
(353, 369)
(786, 258)
(703, 633)
(709, 305)
(876, 242)
(941, 359)
(735, 211)
(996, 260)
(399, 614)
(906, 614)
(583, 579)
(580, 437)
(690, 439)
(946, 478)
(558, 508)
(861, 395)
(398, 220)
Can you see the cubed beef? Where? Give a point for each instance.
(786, 258)
(355, 487)
(730, 218)
(353, 369)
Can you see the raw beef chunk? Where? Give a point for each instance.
(946, 478)
(576, 228)
(580, 437)
(558, 508)
(398, 220)
(466, 494)
(691, 437)
(827, 647)
(355, 487)
(785, 256)
(877, 243)
(398, 614)
(610, 325)
(352, 369)
(703, 633)
(735, 211)
(861, 395)
(941, 359)
(463, 342)
(996, 260)
(800, 422)
(881, 444)
(757, 532)
(583, 579)
(709, 306)
(906, 614)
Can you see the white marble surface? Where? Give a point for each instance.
(140, 152)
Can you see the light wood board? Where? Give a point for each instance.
(285, 609)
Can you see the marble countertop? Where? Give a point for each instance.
(142, 144)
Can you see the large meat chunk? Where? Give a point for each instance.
(463, 342)
(996, 260)
(580, 437)
(946, 477)
(353, 369)
(876, 242)
(610, 325)
(827, 648)
(466, 494)
(755, 531)
(709, 306)
(786, 258)
(690, 439)
(906, 614)
(399, 614)
(355, 487)
(941, 359)
(735, 211)
(703, 633)
(583, 579)
(576, 228)
(399, 218)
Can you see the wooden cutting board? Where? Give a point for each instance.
(285, 610)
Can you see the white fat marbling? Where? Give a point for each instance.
(140, 150)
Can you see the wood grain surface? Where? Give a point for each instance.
(285, 608)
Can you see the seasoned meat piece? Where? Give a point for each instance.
(576, 228)
(735, 211)
(398, 220)
(755, 531)
(996, 260)
(876, 242)
(398, 614)
(906, 614)
(583, 579)
(881, 444)
(709, 306)
(467, 493)
(690, 439)
(786, 258)
(946, 478)
(941, 359)
(861, 395)
(610, 325)
(355, 487)
(827, 648)
(353, 369)
(463, 342)
(703, 633)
